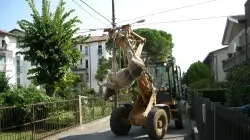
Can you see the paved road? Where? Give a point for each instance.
(99, 130)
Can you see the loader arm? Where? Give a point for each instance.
(146, 98)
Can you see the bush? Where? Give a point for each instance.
(215, 95)
(206, 84)
(20, 97)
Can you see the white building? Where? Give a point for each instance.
(92, 50)
(12, 64)
(214, 61)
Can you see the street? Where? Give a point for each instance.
(100, 130)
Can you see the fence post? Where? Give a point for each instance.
(80, 109)
(215, 104)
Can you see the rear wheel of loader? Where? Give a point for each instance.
(117, 123)
(181, 123)
(157, 124)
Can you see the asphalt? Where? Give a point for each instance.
(100, 130)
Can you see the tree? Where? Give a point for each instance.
(103, 66)
(196, 72)
(49, 43)
(158, 44)
(4, 82)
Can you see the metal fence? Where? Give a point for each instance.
(217, 122)
(38, 121)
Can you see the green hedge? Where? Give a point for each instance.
(215, 95)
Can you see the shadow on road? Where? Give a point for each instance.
(135, 133)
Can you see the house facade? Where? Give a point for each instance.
(91, 51)
(11, 63)
(214, 61)
(236, 37)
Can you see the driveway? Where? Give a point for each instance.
(100, 130)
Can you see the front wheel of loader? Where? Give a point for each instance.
(157, 124)
(117, 124)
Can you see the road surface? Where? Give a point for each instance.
(100, 130)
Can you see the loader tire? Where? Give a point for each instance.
(181, 122)
(116, 121)
(157, 124)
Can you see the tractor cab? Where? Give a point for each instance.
(167, 80)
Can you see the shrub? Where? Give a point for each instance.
(215, 95)
(206, 84)
(20, 97)
(237, 85)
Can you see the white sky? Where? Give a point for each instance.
(193, 40)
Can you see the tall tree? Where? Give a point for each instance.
(158, 44)
(49, 43)
(196, 72)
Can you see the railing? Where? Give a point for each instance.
(236, 59)
(39, 121)
(217, 122)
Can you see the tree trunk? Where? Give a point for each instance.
(50, 90)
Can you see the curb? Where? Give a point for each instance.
(195, 132)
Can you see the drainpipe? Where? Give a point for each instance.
(89, 63)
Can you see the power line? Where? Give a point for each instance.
(187, 6)
(166, 22)
(89, 13)
(95, 11)
(185, 20)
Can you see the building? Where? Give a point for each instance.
(236, 37)
(91, 51)
(214, 61)
(11, 63)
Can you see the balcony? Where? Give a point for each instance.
(234, 59)
(78, 68)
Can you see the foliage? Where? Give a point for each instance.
(66, 84)
(215, 95)
(196, 72)
(21, 98)
(206, 83)
(237, 85)
(103, 66)
(49, 43)
(158, 44)
(4, 82)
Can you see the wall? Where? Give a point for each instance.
(11, 63)
(93, 59)
(220, 55)
(237, 31)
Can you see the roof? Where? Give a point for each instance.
(212, 52)
(2, 32)
(97, 38)
(231, 20)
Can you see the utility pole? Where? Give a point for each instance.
(114, 25)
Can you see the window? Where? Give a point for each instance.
(32, 63)
(81, 61)
(18, 67)
(81, 48)
(86, 63)
(99, 51)
(87, 77)
(86, 50)
(18, 81)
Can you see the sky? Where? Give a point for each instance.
(193, 40)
